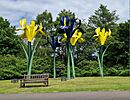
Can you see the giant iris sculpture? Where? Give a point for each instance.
(101, 37)
(72, 34)
(54, 42)
(29, 32)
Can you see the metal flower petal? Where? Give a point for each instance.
(64, 24)
(40, 29)
(23, 22)
(76, 37)
(64, 21)
(64, 38)
(102, 35)
(97, 32)
(81, 40)
(31, 30)
(55, 43)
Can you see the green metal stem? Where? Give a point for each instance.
(100, 65)
(105, 51)
(29, 57)
(32, 54)
(72, 61)
(68, 61)
(99, 62)
(54, 62)
(100, 59)
(26, 54)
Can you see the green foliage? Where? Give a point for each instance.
(11, 67)
(118, 53)
(63, 12)
(103, 18)
(87, 68)
(46, 19)
(116, 59)
(41, 65)
(48, 27)
(14, 67)
(8, 38)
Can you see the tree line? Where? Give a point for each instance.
(116, 60)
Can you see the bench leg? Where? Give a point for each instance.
(47, 83)
(23, 84)
(20, 83)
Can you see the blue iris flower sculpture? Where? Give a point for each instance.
(68, 28)
(54, 42)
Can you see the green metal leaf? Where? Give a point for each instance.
(24, 50)
(31, 59)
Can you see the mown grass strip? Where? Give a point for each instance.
(73, 85)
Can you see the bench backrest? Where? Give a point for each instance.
(36, 76)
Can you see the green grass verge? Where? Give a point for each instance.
(73, 85)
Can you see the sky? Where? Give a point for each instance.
(14, 10)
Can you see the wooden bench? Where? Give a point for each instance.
(34, 78)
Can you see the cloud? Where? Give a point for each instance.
(14, 10)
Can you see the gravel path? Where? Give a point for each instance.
(115, 95)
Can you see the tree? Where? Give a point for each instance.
(102, 18)
(48, 27)
(61, 14)
(9, 43)
(47, 22)
(119, 53)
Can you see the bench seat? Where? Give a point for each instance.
(34, 78)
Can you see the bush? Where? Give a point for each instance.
(11, 67)
(124, 72)
(9, 74)
(87, 68)
(112, 72)
(14, 67)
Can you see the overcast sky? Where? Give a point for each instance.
(14, 10)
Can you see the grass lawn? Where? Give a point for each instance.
(73, 85)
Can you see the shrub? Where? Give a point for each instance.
(11, 67)
(14, 67)
(87, 68)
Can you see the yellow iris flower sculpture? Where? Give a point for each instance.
(77, 36)
(29, 32)
(102, 35)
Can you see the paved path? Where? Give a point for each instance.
(124, 95)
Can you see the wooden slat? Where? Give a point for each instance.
(35, 78)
